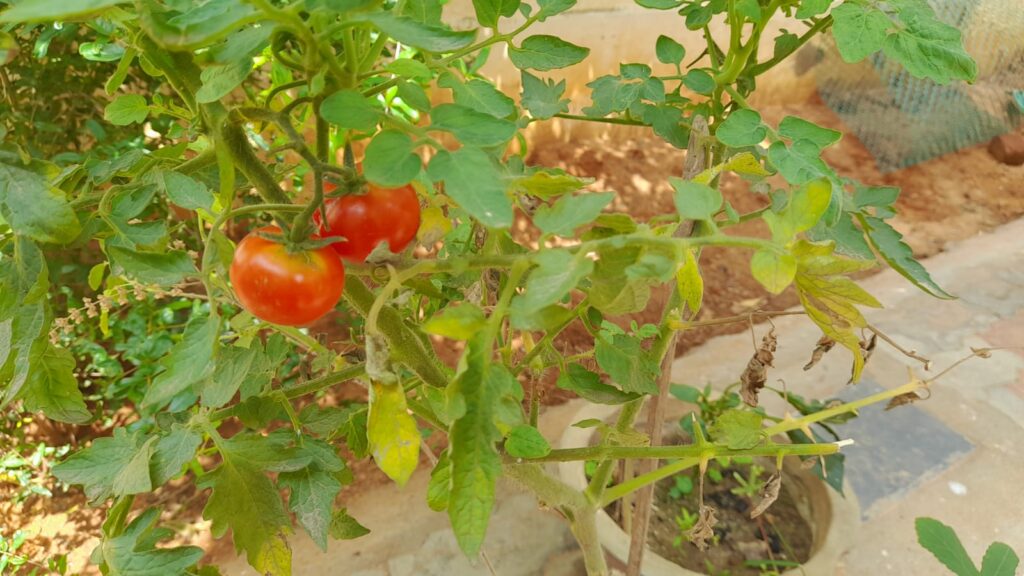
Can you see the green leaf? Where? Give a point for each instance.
(243, 45)
(668, 50)
(439, 488)
(126, 109)
(549, 8)
(133, 552)
(699, 81)
(928, 48)
(859, 30)
(557, 272)
(811, 8)
(690, 283)
(660, 4)
(571, 212)
(799, 129)
(471, 127)
(774, 271)
(165, 269)
(999, 560)
(111, 466)
(233, 367)
(245, 500)
(312, 497)
(184, 191)
(890, 245)
(588, 385)
(489, 11)
(751, 10)
(472, 180)
(943, 542)
(542, 52)
(611, 94)
(173, 451)
(219, 81)
(695, 201)
(667, 122)
(429, 37)
(414, 95)
(350, 109)
(878, 196)
(543, 98)
(738, 429)
(476, 464)
(392, 432)
(53, 389)
(548, 183)
(345, 527)
(55, 10)
(409, 68)
(742, 128)
(800, 163)
(35, 208)
(479, 95)
(199, 25)
(459, 322)
(100, 51)
(525, 441)
(629, 365)
(188, 363)
(612, 290)
(390, 160)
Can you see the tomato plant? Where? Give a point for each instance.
(283, 285)
(223, 117)
(389, 215)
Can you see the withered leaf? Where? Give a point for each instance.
(769, 494)
(704, 529)
(824, 345)
(902, 400)
(867, 348)
(756, 373)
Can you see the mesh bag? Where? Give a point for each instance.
(904, 120)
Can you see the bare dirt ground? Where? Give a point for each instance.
(944, 200)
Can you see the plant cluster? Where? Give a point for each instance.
(241, 110)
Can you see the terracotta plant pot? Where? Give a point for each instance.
(833, 519)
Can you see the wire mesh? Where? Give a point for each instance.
(904, 120)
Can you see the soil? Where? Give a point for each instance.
(944, 200)
(780, 534)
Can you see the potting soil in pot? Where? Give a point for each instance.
(780, 538)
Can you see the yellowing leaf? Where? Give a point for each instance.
(830, 298)
(392, 432)
(434, 225)
(774, 271)
(690, 284)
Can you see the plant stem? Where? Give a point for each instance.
(638, 482)
(767, 65)
(707, 452)
(623, 121)
(790, 424)
(603, 473)
(308, 387)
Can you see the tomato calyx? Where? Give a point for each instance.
(312, 243)
(337, 185)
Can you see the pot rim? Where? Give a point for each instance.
(842, 514)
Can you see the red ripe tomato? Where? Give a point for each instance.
(391, 214)
(289, 288)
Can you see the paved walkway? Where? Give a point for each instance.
(958, 456)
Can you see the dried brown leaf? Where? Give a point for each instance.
(756, 373)
(902, 400)
(704, 529)
(825, 344)
(769, 494)
(867, 348)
